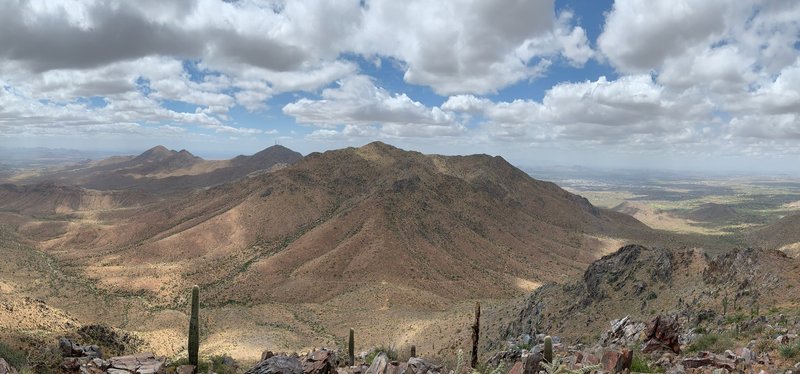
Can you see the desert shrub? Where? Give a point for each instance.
(16, 358)
(766, 345)
(391, 353)
(641, 365)
(790, 350)
(711, 342)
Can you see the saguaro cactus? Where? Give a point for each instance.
(351, 349)
(194, 327)
(476, 330)
(548, 349)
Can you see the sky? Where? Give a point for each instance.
(696, 85)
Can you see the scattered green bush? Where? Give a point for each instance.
(711, 342)
(640, 365)
(790, 350)
(16, 358)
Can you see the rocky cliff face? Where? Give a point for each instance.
(642, 282)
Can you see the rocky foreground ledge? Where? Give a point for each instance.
(658, 345)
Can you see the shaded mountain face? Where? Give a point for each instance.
(332, 223)
(712, 212)
(162, 170)
(783, 235)
(641, 282)
(45, 199)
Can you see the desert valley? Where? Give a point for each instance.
(399, 187)
(291, 252)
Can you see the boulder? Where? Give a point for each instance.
(417, 365)
(277, 365)
(72, 349)
(379, 364)
(662, 333)
(697, 362)
(617, 361)
(266, 354)
(5, 368)
(322, 361)
(141, 363)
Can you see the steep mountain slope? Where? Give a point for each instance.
(783, 235)
(712, 212)
(642, 282)
(457, 227)
(49, 199)
(160, 169)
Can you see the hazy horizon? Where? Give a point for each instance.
(706, 86)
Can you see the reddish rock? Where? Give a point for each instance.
(662, 333)
(616, 361)
(322, 361)
(517, 368)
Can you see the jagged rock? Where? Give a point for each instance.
(418, 365)
(616, 361)
(277, 365)
(379, 365)
(117, 341)
(709, 359)
(531, 362)
(71, 364)
(72, 349)
(322, 361)
(141, 363)
(662, 332)
(5, 368)
(697, 362)
(504, 356)
(624, 332)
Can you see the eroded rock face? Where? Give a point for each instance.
(662, 333)
(322, 361)
(617, 361)
(72, 349)
(278, 365)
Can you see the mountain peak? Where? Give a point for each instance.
(155, 153)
